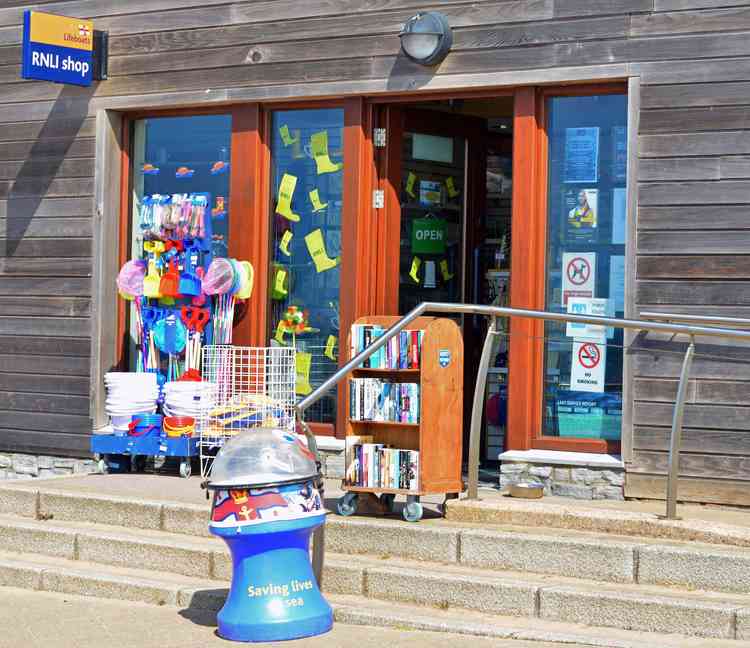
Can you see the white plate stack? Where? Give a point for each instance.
(128, 394)
(188, 398)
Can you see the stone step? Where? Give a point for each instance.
(54, 574)
(382, 577)
(558, 552)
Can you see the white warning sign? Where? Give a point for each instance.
(578, 275)
(587, 366)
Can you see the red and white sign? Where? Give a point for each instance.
(578, 275)
(587, 366)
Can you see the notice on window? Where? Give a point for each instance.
(582, 209)
(617, 282)
(582, 155)
(619, 215)
(619, 153)
(578, 275)
(587, 306)
(588, 361)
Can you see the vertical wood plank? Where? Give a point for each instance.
(248, 218)
(527, 272)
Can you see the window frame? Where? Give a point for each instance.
(538, 441)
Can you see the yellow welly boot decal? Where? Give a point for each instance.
(304, 363)
(317, 248)
(330, 348)
(416, 262)
(286, 191)
(447, 276)
(286, 136)
(317, 204)
(319, 149)
(286, 239)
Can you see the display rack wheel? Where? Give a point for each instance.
(347, 504)
(103, 465)
(185, 468)
(413, 510)
(387, 500)
(159, 461)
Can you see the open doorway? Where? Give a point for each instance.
(448, 165)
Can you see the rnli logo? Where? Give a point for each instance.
(83, 31)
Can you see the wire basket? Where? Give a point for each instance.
(253, 386)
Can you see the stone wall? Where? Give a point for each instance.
(575, 482)
(25, 466)
(332, 464)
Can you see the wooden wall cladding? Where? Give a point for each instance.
(693, 245)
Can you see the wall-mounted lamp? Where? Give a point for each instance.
(426, 38)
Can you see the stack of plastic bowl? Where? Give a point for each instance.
(129, 394)
(188, 398)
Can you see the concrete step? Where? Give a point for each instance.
(542, 550)
(383, 577)
(87, 579)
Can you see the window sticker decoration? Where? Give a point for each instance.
(304, 364)
(447, 275)
(286, 191)
(319, 150)
(150, 169)
(279, 283)
(184, 172)
(317, 204)
(416, 262)
(286, 239)
(411, 180)
(317, 248)
(330, 348)
(286, 137)
(219, 167)
(280, 332)
(451, 187)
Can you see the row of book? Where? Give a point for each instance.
(375, 399)
(402, 351)
(373, 465)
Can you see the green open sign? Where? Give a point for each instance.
(428, 235)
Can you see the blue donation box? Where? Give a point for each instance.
(57, 48)
(265, 507)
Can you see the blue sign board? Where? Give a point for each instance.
(57, 48)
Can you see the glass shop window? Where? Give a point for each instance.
(180, 193)
(306, 195)
(586, 234)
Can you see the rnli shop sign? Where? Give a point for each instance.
(56, 48)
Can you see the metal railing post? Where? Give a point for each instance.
(676, 437)
(477, 407)
(318, 538)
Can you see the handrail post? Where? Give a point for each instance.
(318, 539)
(676, 437)
(477, 407)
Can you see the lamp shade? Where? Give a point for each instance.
(426, 38)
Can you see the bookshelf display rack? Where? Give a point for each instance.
(437, 435)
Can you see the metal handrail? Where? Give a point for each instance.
(684, 318)
(493, 312)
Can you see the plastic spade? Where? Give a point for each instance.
(170, 282)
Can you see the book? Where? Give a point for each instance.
(401, 352)
(376, 399)
(376, 466)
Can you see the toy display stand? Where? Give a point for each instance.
(439, 434)
(116, 452)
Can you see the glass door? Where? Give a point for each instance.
(432, 254)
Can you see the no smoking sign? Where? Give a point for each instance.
(587, 366)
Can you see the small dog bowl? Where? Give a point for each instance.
(527, 490)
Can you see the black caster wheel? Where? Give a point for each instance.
(347, 504)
